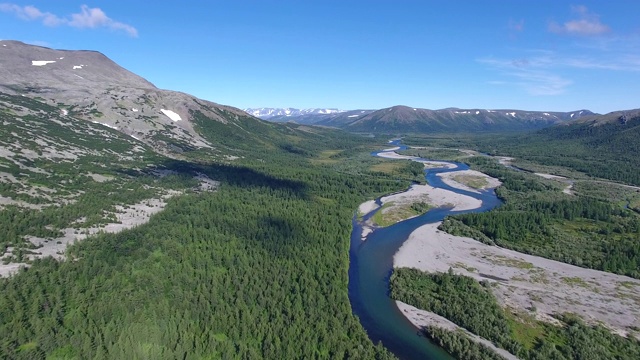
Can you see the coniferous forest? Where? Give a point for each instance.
(258, 268)
(255, 269)
(471, 305)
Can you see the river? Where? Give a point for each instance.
(371, 265)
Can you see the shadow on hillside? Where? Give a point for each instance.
(238, 176)
(282, 237)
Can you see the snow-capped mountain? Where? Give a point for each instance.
(268, 113)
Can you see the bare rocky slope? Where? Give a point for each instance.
(89, 86)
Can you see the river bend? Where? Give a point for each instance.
(371, 265)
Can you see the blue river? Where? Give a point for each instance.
(371, 265)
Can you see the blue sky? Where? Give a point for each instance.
(534, 55)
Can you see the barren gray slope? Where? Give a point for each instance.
(70, 69)
(89, 86)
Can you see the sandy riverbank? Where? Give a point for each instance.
(420, 318)
(367, 207)
(427, 163)
(428, 194)
(434, 196)
(527, 283)
(464, 178)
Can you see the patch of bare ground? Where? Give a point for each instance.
(504, 160)
(100, 178)
(469, 180)
(529, 283)
(568, 182)
(127, 218)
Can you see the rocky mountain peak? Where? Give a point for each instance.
(90, 86)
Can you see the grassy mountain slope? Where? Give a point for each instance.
(604, 146)
(403, 119)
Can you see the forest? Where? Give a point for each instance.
(257, 268)
(597, 226)
(606, 149)
(536, 218)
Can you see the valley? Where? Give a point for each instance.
(147, 223)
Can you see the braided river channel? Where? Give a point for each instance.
(371, 265)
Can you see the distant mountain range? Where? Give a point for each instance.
(276, 114)
(408, 119)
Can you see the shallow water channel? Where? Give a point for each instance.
(371, 264)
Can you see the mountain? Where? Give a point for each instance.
(87, 146)
(408, 119)
(89, 86)
(324, 117)
(616, 133)
(98, 154)
(602, 146)
(283, 114)
(615, 117)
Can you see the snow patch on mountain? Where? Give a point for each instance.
(41, 62)
(172, 115)
(105, 124)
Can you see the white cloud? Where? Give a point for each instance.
(586, 24)
(541, 82)
(532, 75)
(547, 72)
(87, 18)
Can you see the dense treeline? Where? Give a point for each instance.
(459, 345)
(607, 149)
(472, 306)
(254, 270)
(458, 298)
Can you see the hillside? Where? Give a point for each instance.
(194, 232)
(69, 169)
(89, 86)
(604, 146)
(406, 119)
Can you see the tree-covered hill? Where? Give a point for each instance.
(603, 147)
(255, 269)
